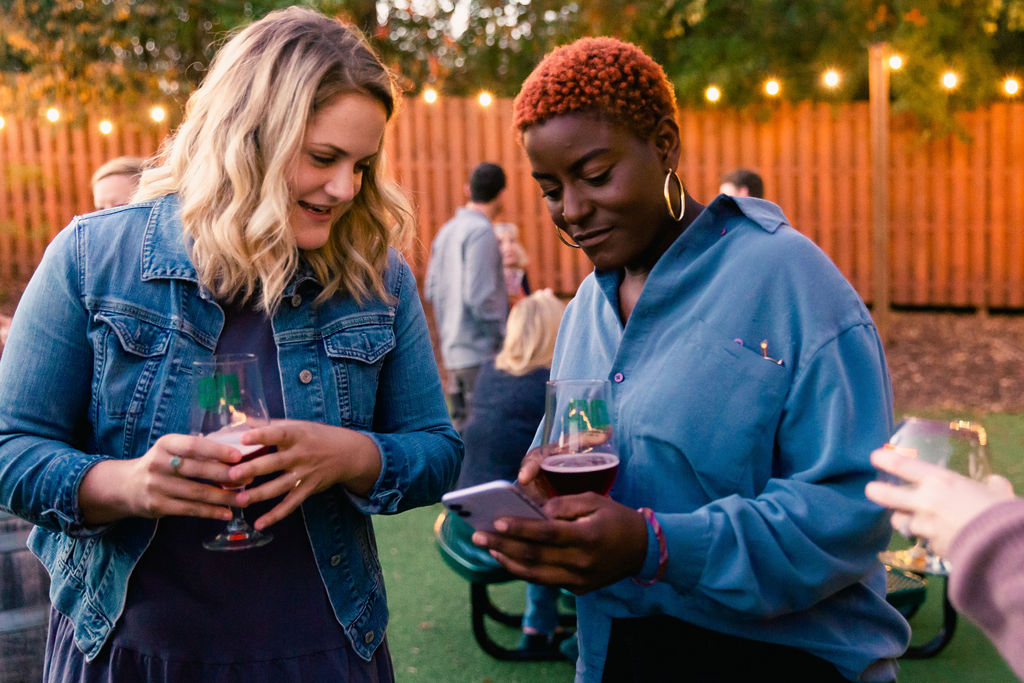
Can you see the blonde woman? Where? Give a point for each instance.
(508, 407)
(265, 228)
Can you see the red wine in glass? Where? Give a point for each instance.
(570, 473)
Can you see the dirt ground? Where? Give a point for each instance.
(957, 361)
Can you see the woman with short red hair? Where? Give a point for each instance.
(749, 389)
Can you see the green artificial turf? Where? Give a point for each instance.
(431, 636)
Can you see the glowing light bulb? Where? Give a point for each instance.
(713, 94)
(831, 78)
(1011, 86)
(2, 123)
(772, 88)
(106, 127)
(485, 99)
(949, 80)
(895, 62)
(52, 115)
(157, 114)
(430, 96)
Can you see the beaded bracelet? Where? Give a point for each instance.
(662, 547)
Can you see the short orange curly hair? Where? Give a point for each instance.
(602, 75)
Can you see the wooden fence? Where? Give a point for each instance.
(956, 215)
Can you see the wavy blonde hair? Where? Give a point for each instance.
(530, 334)
(231, 158)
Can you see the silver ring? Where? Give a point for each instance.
(175, 463)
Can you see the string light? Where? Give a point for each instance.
(895, 62)
(430, 96)
(106, 127)
(485, 99)
(949, 80)
(831, 78)
(772, 87)
(1011, 86)
(2, 123)
(713, 94)
(157, 114)
(52, 115)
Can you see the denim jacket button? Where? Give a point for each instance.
(305, 376)
(368, 637)
(296, 300)
(335, 560)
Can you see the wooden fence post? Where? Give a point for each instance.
(878, 93)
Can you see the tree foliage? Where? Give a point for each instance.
(97, 51)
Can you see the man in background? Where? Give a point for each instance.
(466, 285)
(114, 183)
(742, 183)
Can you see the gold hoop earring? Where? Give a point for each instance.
(558, 231)
(668, 195)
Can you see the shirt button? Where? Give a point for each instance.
(305, 376)
(368, 637)
(335, 560)
(296, 300)
(618, 377)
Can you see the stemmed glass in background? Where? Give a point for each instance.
(577, 437)
(955, 444)
(229, 400)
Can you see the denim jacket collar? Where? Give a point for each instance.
(165, 254)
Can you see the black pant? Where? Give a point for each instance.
(662, 648)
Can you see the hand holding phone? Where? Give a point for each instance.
(482, 504)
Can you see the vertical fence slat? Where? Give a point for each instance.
(996, 273)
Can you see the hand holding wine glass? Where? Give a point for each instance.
(229, 401)
(578, 447)
(929, 466)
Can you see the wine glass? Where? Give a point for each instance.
(579, 451)
(229, 401)
(958, 445)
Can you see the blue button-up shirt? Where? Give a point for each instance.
(755, 468)
(97, 367)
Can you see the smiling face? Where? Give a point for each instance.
(603, 185)
(339, 146)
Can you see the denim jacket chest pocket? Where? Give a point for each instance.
(357, 347)
(129, 353)
(718, 402)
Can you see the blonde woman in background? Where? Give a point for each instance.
(508, 407)
(514, 261)
(265, 229)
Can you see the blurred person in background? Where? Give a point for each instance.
(742, 183)
(514, 260)
(508, 409)
(465, 284)
(114, 183)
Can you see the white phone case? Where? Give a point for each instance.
(482, 504)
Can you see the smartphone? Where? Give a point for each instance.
(482, 504)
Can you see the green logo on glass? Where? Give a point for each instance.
(583, 415)
(219, 390)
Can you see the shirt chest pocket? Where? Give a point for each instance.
(357, 350)
(717, 403)
(129, 353)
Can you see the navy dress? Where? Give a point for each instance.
(506, 413)
(259, 616)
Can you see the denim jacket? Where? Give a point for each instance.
(97, 367)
